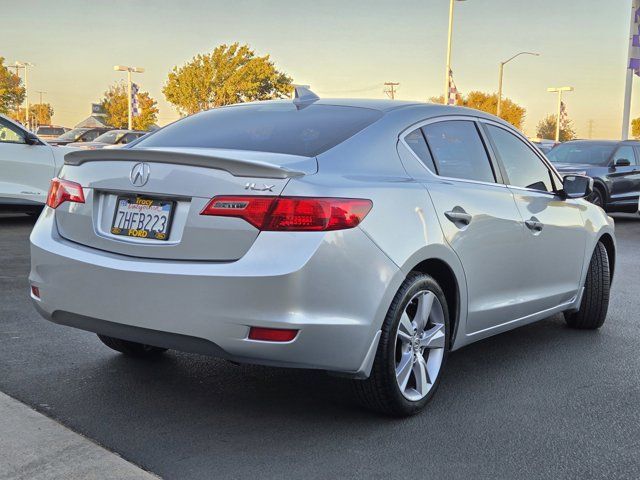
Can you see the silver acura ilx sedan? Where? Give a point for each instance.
(367, 238)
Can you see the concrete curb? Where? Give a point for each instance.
(35, 447)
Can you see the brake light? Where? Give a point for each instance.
(61, 191)
(292, 214)
(272, 334)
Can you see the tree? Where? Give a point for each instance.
(116, 106)
(547, 128)
(230, 74)
(635, 128)
(11, 90)
(488, 102)
(39, 114)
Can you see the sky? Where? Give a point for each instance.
(341, 48)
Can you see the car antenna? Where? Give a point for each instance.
(302, 95)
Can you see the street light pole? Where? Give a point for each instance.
(559, 91)
(449, 42)
(500, 75)
(26, 66)
(129, 70)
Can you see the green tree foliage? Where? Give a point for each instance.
(547, 129)
(39, 114)
(116, 106)
(635, 128)
(230, 74)
(11, 90)
(488, 102)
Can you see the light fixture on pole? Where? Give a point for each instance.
(26, 66)
(559, 91)
(449, 42)
(129, 70)
(500, 75)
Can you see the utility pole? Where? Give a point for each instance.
(559, 91)
(39, 92)
(590, 128)
(129, 70)
(391, 92)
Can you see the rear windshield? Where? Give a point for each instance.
(269, 127)
(582, 152)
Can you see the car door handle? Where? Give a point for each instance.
(458, 216)
(534, 224)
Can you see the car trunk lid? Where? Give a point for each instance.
(186, 179)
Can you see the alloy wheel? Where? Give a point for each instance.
(420, 343)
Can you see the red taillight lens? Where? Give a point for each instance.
(272, 334)
(35, 291)
(62, 191)
(292, 213)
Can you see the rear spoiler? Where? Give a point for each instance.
(237, 163)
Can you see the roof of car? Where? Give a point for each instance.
(605, 142)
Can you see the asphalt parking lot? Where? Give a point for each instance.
(542, 401)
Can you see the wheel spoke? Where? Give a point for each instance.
(405, 328)
(421, 374)
(434, 337)
(425, 302)
(403, 370)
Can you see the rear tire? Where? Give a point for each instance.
(595, 300)
(132, 349)
(426, 348)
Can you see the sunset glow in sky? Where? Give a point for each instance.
(346, 48)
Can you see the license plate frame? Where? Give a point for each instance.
(143, 234)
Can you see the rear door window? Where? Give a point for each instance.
(418, 145)
(458, 150)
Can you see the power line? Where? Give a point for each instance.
(391, 91)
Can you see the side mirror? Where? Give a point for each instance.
(31, 139)
(577, 186)
(622, 162)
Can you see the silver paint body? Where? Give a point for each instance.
(215, 277)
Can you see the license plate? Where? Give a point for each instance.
(142, 217)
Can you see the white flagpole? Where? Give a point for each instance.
(626, 115)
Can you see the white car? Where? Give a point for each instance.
(27, 165)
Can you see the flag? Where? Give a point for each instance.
(134, 100)
(454, 95)
(634, 50)
(563, 113)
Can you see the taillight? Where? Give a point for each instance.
(292, 214)
(61, 191)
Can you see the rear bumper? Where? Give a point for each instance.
(334, 287)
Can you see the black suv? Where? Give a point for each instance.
(614, 167)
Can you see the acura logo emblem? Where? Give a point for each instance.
(140, 174)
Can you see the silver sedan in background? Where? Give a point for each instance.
(367, 238)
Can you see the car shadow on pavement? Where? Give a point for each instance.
(176, 385)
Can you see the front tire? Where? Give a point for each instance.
(132, 349)
(412, 351)
(595, 299)
(598, 198)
